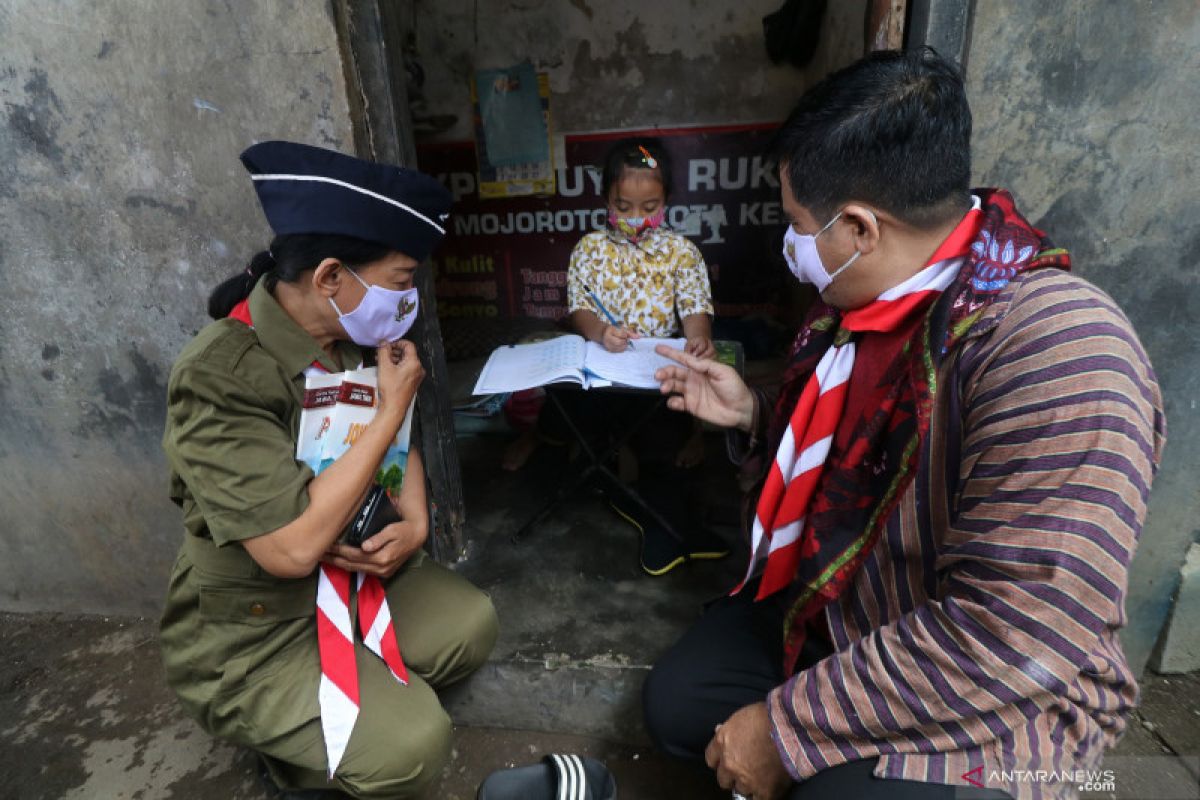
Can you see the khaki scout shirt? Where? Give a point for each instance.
(233, 412)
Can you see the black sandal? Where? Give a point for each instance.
(557, 777)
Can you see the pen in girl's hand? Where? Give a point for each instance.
(607, 314)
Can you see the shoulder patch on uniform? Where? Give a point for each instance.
(220, 345)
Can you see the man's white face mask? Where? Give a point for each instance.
(800, 252)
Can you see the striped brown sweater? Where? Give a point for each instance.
(982, 630)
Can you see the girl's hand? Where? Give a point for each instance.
(615, 339)
(707, 389)
(700, 347)
(400, 373)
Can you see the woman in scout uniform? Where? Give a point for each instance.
(320, 656)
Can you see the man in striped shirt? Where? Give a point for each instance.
(954, 474)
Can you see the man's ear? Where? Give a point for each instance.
(864, 227)
(328, 276)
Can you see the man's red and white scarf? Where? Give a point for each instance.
(337, 694)
(780, 534)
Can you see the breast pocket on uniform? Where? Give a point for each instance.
(245, 627)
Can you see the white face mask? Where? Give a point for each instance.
(384, 315)
(800, 252)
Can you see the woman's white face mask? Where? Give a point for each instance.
(383, 315)
(800, 252)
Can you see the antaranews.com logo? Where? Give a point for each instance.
(1121, 777)
(1084, 780)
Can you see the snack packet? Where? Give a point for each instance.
(320, 397)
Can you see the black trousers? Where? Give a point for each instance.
(732, 657)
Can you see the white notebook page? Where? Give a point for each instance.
(510, 369)
(632, 367)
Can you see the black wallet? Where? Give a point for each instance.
(377, 513)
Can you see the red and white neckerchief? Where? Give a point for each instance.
(337, 694)
(779, 518)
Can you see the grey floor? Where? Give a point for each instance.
(84, 713)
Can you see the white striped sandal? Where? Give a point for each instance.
(557, 777)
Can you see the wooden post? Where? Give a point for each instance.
(885, 25)
(944, 25)
(370, 37)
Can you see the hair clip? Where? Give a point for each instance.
(651, 162)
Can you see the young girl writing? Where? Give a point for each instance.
(640, 278)
(650, 278)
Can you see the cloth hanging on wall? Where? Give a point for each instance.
(794, 31)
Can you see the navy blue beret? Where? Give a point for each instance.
(305, 189)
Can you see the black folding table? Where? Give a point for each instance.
(596, 463)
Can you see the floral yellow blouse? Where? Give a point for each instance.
(649, 286)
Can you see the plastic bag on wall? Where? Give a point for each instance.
(514, 129)
(794, 31)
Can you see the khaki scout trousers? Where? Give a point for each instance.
(401, 741)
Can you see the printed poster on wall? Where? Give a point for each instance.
(511, 109)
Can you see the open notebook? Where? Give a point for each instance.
(573, 359)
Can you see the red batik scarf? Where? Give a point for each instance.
(855, 407)
(337, 694)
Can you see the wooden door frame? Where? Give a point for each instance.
(370, 36)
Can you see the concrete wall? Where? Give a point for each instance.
(622, 65)
(1088, 113)
(123, 203)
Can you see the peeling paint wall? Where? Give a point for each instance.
(1088, 113)
(123, 203)
(621, 65)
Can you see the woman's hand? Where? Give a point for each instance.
(700, 347)
(616, 338)
(386, 551)
(400, 373)
(706, 389)
(744, 757)
(383, 553)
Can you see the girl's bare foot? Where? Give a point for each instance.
(519, 451)
(692, 452)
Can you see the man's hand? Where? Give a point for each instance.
(383, 553)
(700, 347)
(707, 389)
(744, 757)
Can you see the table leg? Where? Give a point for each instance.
(569, 486)
(597, 464)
